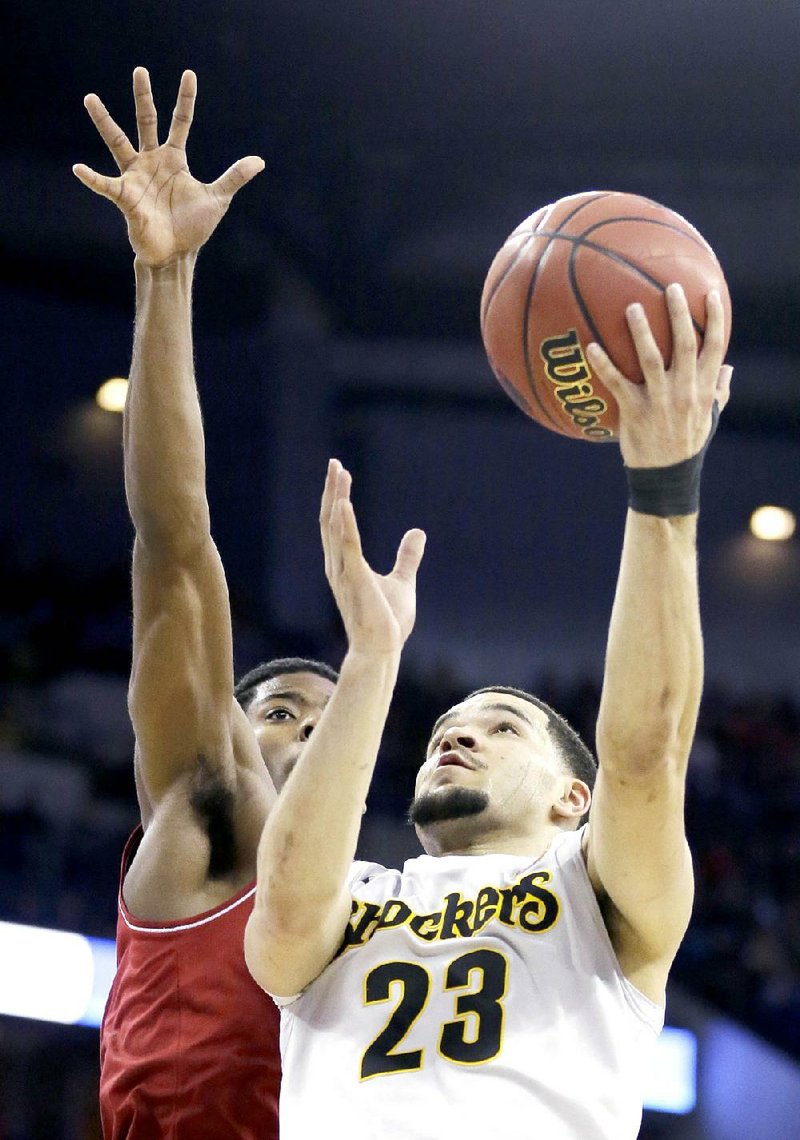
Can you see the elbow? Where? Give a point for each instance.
(283, 960)
(648, 735)
(179, 533)
(294, 916)
(258, 954)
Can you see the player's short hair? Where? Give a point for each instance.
(245, 688)
(575, 753)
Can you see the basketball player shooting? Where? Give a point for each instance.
(512, 979)
(189, 1045)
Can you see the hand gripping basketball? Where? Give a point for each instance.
(565, 278)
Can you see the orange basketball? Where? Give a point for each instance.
(564, 278)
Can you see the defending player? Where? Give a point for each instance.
(512, 980)
(189, 1043)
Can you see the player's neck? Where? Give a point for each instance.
(447, 838)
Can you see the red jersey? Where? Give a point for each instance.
(189, 1043)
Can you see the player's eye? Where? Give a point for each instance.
(278, 714)
(506, 726)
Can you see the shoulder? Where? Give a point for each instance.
(569, 846)
(364, 873)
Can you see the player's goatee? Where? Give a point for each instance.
(447, 803)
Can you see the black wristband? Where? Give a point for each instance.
(673, 490)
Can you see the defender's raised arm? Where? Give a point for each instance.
(208, 756)
(182, 679)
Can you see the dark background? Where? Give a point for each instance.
(403, 143)
(336, 313)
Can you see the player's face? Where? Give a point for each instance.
(284, 713)
(495, 748)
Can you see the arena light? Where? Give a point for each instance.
(111, 395)
(772, 524)
(54, 975)
(57, 976)
(672, 1084)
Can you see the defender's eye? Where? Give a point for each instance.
(278, 714)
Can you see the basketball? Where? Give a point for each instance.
(564, 278)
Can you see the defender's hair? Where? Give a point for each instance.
(246, 686)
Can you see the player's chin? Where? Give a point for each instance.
(446, 803)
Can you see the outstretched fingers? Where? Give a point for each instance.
(326, 506)
(110, 188)
(183, 114)
(647, 351)
(338, 482)
(409, 555)
(348, 538)
(236, 176)
(722, 391)
(146, 115)
(122, 150)
(684, 337)
(617, 384)
(710, 358)
(650, 359)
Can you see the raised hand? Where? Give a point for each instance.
(377, 610)
(169, 213)
(668, 418)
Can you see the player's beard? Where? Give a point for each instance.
(446, 804)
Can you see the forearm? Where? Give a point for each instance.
(654, 659)
(309, 840)
(163, 431)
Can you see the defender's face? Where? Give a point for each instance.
(497, 744)
(284, 712)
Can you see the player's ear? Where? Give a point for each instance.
(574, 800)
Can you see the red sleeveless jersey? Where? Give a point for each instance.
(189, 1043)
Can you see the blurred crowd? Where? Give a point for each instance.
(67, 800)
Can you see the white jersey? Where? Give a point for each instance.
(473, 997)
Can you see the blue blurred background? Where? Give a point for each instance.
(336, 313)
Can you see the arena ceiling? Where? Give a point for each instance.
(405, 139)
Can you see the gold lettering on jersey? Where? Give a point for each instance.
(527, 905)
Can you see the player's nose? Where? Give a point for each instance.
(307, 726)
(457, 737)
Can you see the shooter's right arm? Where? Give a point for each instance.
(309, 840)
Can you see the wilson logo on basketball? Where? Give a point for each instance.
(566, 368)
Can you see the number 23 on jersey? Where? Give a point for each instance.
(478, 981)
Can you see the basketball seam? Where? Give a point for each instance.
(504, 275)
(584, 308)
(620, 259)
(531, 234)
(526, 346)
(550, 234)
(684, 231)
